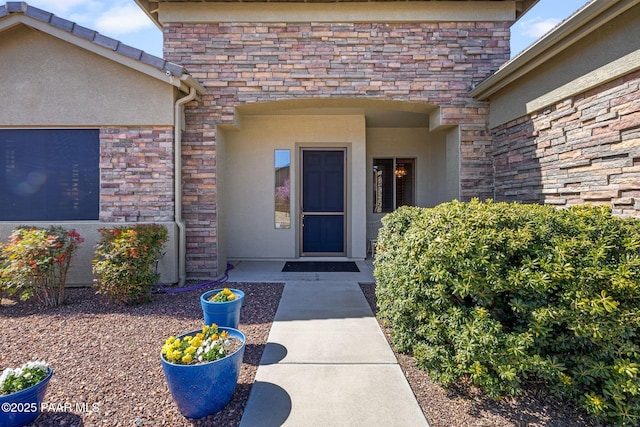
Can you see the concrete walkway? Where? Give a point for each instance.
(326, 362)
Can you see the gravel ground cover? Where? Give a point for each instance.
(108, 373)
(105, 358)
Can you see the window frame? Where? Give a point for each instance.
(379, 179)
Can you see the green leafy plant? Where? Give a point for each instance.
(501, 294)
(18, 379)
(225, 295)
(4, 281)
(125, 259)
(35, 261)
(206, 346)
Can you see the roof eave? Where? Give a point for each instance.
(188, 81)
(145, 5)
(523, 7)
(587, 20)
(150, 8)
(101, 45)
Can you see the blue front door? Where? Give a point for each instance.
(323, 202)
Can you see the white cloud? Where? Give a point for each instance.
(110, 17)
(535, 28)
(63, 7)
(124, 19)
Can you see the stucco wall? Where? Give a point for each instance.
(583, 149)
(436, 168)
(250, 181)
(599, 56)
(433, 63)
(136, 186)
(80, 269)
(50, 82)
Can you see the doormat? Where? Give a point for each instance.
(320, 267)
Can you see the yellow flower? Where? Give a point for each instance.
(184, 350)
(223, 296)
(597, 400)
(566, 380)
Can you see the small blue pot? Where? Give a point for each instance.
(226, 314)
(206, 388)
(23, 407)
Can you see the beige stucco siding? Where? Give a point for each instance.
(249, 181)
(606, 54)
(437, 162)
(247, 204)
(337, 12)
(50, 82)
(81, 263)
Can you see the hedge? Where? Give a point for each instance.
(504, 293)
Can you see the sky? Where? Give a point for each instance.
(123, 20)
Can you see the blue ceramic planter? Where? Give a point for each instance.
(206, 388)
(226, 314)
(23, 407)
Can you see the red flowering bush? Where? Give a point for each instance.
(125, 261)
(35, 262)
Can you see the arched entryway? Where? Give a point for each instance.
(344, 157)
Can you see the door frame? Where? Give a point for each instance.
(345, 205)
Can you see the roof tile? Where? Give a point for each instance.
(16, 6)
(92, 36)
(174, 69)
(39, 14)
(63, 24)
(129, 51)
(153, 60)
(107, 42)
(83, 32)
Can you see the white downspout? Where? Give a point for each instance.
(177, 140)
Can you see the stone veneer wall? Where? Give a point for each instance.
(585, 149)
(434, 63)
(136, 174)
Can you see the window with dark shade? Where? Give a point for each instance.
(49, 174)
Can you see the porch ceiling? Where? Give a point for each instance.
(378, 113)
(375, 118)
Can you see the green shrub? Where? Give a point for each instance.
(4, 281)
(501, 293)
(34, 262)
(125, 261)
